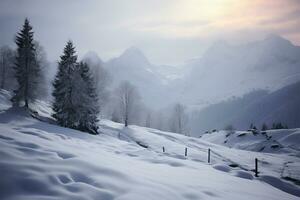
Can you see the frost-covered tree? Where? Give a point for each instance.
(7, 63)
(101, 78)
(27, 68)
(86, 100)
(128, 100)
(179, 119)
(64, 110)
(75, 100)
(279, 125)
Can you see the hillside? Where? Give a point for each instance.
(270, 141)
(257, 107)
(44, 161)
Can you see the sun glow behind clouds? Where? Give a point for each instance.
(202, 18)
(168, 31)
(195, 9)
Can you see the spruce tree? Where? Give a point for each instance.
(88, 101)
(27, 69)
(75, 98)
(63, 93)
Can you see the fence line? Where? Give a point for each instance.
(229, 160)
(211, 152)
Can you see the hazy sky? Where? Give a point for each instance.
(168, 31)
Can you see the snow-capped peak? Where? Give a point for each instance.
(92, 57)
(134, 54)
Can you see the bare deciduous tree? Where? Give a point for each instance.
(179, 119)
(128, 101)
(43, 91)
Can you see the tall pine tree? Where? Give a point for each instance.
(27, 68)
(75, 98)
(63, 87)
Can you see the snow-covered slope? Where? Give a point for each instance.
(257, 107)
(271, 141)
(45, 161)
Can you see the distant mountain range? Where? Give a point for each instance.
(225, 70)
(152, 81)
(222, 72)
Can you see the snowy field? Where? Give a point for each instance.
(44, 161)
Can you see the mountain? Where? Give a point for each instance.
(132, 65)
(92, 58)
(223, 71)
(257, 107)
(226, 70)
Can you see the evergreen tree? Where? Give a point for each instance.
(27, 68)
(75, 99)
(279, 125)
(63, 93)
(88, 100)
(264, 127)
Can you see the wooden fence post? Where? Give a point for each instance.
(163, 149)
(208, 158)
(185, 153)
(256, 167)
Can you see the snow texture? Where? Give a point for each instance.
(44, 161)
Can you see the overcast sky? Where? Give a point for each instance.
(167, 31)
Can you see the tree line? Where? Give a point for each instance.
(74, 96)
(79, 89)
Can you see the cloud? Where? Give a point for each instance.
(291, 16)
(161, 28)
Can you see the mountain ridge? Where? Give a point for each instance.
(223, 71)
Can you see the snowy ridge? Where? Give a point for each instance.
(44, 161)
(268, 64)
(271, 141)
(271, 64)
